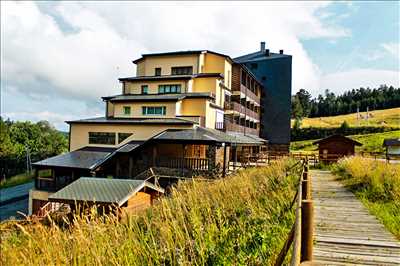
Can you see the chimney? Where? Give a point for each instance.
(262, 47)
(281, 51)
(267, 52)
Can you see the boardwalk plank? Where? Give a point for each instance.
(345, 232)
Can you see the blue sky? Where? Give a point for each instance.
(59, 58)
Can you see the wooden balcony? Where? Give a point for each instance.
(233, 127)
(251, 95)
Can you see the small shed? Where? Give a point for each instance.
(334, 147)
(111, 195)
(392, 147)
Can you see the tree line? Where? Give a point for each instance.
(384, 97)
(40, 139)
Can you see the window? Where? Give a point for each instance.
(107, 138)
(145, 89)
(173, 88)
(127, 110)
(123, 136)
(253, 66)
(264, 78)
(187, 70)
(154, 110)
(157, 71)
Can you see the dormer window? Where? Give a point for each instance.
(186, 70)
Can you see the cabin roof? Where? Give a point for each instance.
(391, 142)
(102, 190)
(202, 134)
(84, 158)
(339, 138)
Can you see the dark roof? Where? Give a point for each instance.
(201, 134)
(104, 120)
(102, 190)
(189, 52)
(85, 158)
(337, 138)
(172, 77)
(157, 97)
(391, 142)
(258, 56)
(130, 146)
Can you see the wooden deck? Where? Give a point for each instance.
(345, 233)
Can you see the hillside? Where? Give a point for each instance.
(240, 220)
(378, 118)
(371, 142)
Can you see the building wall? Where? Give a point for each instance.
(138, 202)
(147, 66)
(394, 150)
(210, 84)
(276, 76)
(135, 87)
(80, 132)
(218, 64)
(336, 148)
(136, 109)
(37, 199)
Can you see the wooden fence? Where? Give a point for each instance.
(301, 234)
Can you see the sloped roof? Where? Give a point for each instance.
(85, 158)
(189, 52)
(202, 134)
(391, 142)
(172, 77)
(102, 190)
(337, 137)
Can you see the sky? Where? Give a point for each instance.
(59, 58)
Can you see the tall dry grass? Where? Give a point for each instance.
(243, 219)
(377, 184)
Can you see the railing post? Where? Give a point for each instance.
(307, 230)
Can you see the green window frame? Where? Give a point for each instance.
(170, 88)
(106, 138)
(145, 89)
(127, 110)
(154, 110)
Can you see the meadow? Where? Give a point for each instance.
(378, 118)
(240, 220)
(371, 142)
(377, 185)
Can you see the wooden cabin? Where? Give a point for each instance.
(392, 148)
(120, 196)
(334, 147)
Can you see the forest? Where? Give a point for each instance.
(384, 97)
(40, 140)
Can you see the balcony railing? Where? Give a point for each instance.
(249, 94)
(233, 127)
(235, 106)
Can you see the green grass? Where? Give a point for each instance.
(371, 142)
(377, 185)
(240, 220)
(379, 118)
(16, 180)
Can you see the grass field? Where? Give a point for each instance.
(371, 142)
(379, 118)
(377, 185)
(243, 219)
(16, 180)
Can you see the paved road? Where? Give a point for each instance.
(345, 232)
(14, 199)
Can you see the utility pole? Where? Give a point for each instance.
(367, 116)
(28, 160)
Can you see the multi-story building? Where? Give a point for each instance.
(274, 71)
(182, 110)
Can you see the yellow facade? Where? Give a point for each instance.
(147, 66)
(135, 87)
(80, 132)
(136, 109)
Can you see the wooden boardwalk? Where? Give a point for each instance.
(345, 233)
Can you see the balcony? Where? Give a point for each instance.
(233, 127)
(237, 107)
(251, 95)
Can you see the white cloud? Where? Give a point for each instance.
(86, 62)
(356, 78)
(392, 48)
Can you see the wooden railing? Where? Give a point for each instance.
(186, 163)
(301, 234)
